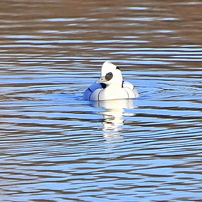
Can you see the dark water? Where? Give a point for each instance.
(56, 147)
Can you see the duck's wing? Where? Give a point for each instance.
(130, 88)
(90, 90)
(129, 85)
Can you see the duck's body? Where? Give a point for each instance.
(110, 86)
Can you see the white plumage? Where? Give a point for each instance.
(110, 86)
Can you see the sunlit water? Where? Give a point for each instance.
(57, 147)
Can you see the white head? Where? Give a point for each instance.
(110, 74)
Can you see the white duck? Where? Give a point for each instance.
(110, 86)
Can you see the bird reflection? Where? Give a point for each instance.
(113, 115)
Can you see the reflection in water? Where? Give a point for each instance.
(113, 117)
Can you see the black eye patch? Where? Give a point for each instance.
(108, 76)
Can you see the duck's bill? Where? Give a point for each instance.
(101, 80)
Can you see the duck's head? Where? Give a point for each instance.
(110, 74)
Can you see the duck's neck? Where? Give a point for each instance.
(115, 86)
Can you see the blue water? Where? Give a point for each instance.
(57, 147)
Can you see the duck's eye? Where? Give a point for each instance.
(108, 76)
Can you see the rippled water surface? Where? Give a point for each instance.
(57, 147)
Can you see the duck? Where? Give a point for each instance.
(110, 86)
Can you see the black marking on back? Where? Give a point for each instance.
(90, 90)
(103, 85)
(99, 95)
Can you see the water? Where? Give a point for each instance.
(55, 146)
